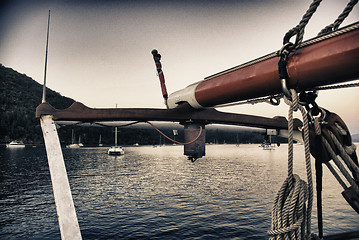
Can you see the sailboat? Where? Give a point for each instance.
(115, 150)
(99, 142)
(73, 144)
(268, 145)
(15, 144)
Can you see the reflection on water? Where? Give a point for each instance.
(156, 193)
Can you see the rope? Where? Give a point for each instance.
(291, 218)
(277, 97)
(269, 99)
(336, 175)
(299, 29)
(119, 126)
(339, 86)
(334, 26)
(341, 167)
(344, 154)
(199, 134)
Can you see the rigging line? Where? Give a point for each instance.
(251, 101)
(298, 30)
(199, 134)
(68, 125)
(266, 99)
(120, 126)
(334, 26)
(349, 85)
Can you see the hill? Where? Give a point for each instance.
(20, 95)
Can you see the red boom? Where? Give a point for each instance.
(330, 61)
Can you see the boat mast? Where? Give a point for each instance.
(116, 133)
(65, 207)
(47, 47)
(116, 136)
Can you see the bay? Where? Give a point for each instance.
(156, 193)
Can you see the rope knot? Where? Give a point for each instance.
(289, 209)
(291, 213)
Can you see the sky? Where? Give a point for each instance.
(100, 51)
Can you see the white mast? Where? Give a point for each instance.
(47, 46)
(116, 136)
(68, 223)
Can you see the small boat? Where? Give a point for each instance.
(268, 145)
(99, 142)
(15, 144)
(75, 145)
(115, 150)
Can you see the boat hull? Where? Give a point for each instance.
(15, 144)
(75, 145)
(116, 151)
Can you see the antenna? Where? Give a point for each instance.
(47, 46)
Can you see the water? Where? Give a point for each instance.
(156, 193)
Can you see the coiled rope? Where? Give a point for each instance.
(291, 212)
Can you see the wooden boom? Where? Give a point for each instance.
(329, 61)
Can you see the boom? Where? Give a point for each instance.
(328, 61)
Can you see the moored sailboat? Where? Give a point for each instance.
(73, 144)
(115, 150)
(15, 144)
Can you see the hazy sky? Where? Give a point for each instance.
(100, 51)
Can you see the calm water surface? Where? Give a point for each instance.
(156, 193)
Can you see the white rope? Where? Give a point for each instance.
(291, 213)
(341, 167)
(344, 155)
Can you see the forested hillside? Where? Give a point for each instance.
(20, 95)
